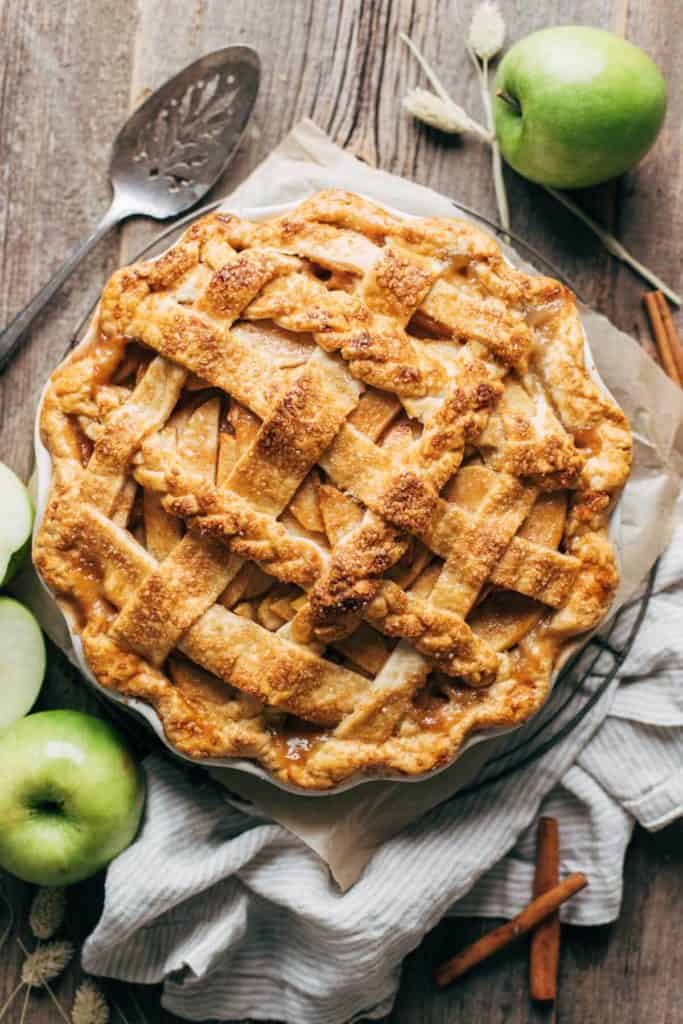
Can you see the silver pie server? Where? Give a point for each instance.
(166, 157)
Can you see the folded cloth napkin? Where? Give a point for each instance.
(240, 918)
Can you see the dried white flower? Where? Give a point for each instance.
(90, 1006)
(442, 114)
(47, 912)
(487, 31)
(485, 41)
(45, 963)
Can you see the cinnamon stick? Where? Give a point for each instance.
(671, 332)
(536, 911)
(544, 954)
(665, 335)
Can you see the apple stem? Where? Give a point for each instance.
(507, 98)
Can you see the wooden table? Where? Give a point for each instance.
(70, 73)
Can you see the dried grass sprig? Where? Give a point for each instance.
(46, 963)
(25, 1005)
(89, 1006)
(47, 912)
(426, 101)
(10, 999)
(38, 970)
(439, 113)
(484, 42)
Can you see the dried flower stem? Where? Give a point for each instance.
(58, 1007)
(612, 245)
(472, 125)
(484, 42)
(23, 1009)
(10, 999)
(496, 159)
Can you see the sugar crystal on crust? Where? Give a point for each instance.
(331, 491)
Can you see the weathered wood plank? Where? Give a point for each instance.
(64, 82)
(71, 72)
(64, 86)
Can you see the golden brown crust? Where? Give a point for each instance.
(366, 551)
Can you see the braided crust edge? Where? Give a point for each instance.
(201, 729)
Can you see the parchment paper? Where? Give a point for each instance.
(344, 829)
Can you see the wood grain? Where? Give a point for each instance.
(64, 87)
(70, 73)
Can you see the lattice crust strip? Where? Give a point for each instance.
(330, 491)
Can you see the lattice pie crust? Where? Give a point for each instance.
(331, 491)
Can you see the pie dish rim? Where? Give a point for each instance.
(141, 709)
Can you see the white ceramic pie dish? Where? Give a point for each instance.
(144, 711)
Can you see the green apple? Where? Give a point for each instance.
(16, 523)
(22, 661)
(71, 797)
(575, 106)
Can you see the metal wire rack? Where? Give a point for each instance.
(578, 688)
(591, 669)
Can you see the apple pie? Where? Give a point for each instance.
(331, 491)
